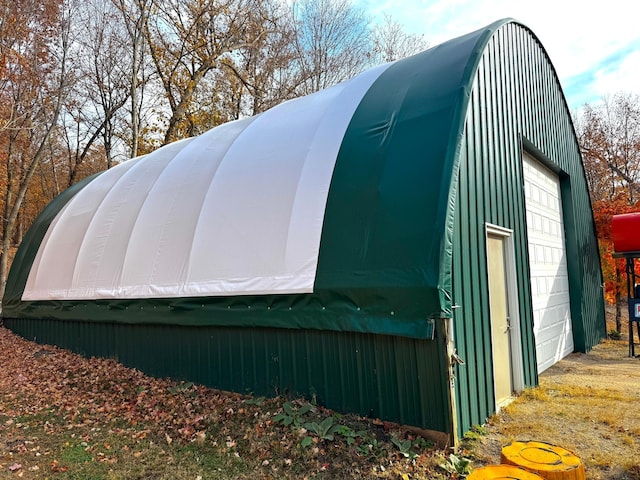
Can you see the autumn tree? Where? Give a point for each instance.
(609, 135)
(34, 54)
(610, 140)
(264, 72)
(189, 40)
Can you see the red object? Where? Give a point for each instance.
(625, 230)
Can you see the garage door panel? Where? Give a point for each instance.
(548, 265)
(552, 349)
(553, 323)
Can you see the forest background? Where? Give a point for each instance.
(87, 84)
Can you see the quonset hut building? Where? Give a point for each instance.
(351, 245)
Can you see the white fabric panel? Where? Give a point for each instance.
(100, 259)
(547, 259)
(296, 177)
(235, 211)
(51, 275)
(157, 258)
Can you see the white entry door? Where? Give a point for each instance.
(500, 321)
(548, 262)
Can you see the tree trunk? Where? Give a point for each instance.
(10, 220)
(179, 108)
(133, 94)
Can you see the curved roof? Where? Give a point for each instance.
(237, 210)
(345, 196)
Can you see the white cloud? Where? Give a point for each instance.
(580, 37)
(624, 78)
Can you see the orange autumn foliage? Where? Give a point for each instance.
(613, 269)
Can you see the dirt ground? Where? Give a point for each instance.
(587, 403)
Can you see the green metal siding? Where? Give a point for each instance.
(373, 375)
(516, 103)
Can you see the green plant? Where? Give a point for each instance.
(614, 334)
(476, 433)
(181, 387)
(405, 447)
(306, 441)
(370, 447)
(422, 443)
(349, 434)
(457, 465)
(292, 416)
(324, 430)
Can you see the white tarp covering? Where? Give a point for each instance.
(237, 210)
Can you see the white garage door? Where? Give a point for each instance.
(548, 260)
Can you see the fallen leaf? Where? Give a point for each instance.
(55, 467)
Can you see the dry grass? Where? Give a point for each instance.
(589, 404)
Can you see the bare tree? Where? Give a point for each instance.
(101, 88)
(391, 42)
(263, 73)
(332, 40)
(135, 16)
(609, 136)
(108, 83)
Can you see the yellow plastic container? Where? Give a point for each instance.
(502, 472)
(549, 461)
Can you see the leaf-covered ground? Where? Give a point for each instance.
(63, 416)
(66, 417)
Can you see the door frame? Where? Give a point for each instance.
(515, 339)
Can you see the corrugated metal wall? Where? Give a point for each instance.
(373, 375)
(516, 103)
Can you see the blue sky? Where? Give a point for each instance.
(594, 46)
